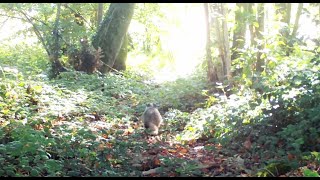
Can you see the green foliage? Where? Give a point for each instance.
(32, 59)
(310, 173)
(274, 170)
(146, 14)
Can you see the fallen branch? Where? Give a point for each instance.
(151, 171)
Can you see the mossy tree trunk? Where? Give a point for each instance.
(56, 65)
(111, 36)
(120, 62)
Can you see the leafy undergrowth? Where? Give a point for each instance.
(82, 125)
(88, 125)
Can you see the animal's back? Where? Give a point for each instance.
(152, 119)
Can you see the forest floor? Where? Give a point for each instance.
(88, 125)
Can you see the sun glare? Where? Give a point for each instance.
(10, 29)
(185, 40)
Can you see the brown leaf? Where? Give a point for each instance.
(247, 144)
(109, 145)
(97, 165)
(255, 159)
(109, 156)
(183, 150)
(291, 157)
(172, 150)
(100, 147)
(172, 174)
(153, 151)
(105, 136)
(164, 152)
(156, 161)
(192, 141)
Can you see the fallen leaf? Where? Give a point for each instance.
(247, 144)
(172, 174)
(172, 150)
(109, 145)
(192, 141)
(164, 152)
(157, 162)
(100, 147)
(255, 159)
(96, 165)
(183, 150)
(109, 156)
(291, 156)
(105, 136)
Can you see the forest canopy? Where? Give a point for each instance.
(160, 89)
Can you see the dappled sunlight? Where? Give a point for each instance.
(55, 105)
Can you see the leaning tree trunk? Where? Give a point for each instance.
(112, 32)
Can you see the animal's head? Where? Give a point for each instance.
(151, 105)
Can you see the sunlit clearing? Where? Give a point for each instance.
(185, 41)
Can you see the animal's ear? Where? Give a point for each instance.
(149, 105)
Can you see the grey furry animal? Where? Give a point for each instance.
(152, 119)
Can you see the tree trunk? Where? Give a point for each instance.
(211, 74)
(224, 60)
(225, 40)
(57, 67)
(284, 11)
(239, 34)
(288, 13)
(251, 27)
(239, 31)
(112, 31)
(99, 14)
(259, 35)
(296, 22)
(120, 63)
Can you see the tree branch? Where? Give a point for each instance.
(74, 11)
(37, 32)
